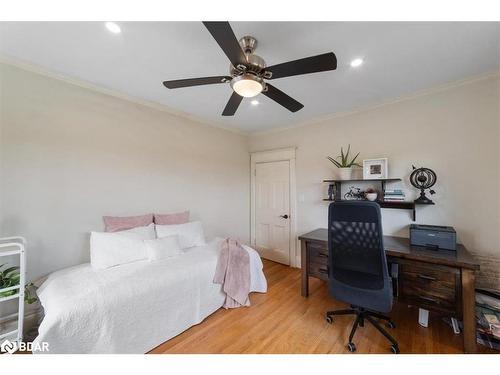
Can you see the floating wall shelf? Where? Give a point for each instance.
(405, 205)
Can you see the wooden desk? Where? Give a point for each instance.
(441, 281)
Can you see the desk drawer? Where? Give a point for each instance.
(432, 287)
(429, 272)
(318, 270)
(317, 254)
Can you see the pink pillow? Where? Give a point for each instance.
(172, 219)
(117, 223)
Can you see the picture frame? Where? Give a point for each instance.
(374, 169)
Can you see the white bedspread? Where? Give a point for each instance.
(134, 307)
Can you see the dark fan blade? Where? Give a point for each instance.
(313, 64)
(178, 83)
(224, 36)
(232, 105)
(281, 98)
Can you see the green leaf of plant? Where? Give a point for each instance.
(11, 277)
(353, 160)
(335, 162)
(27, 294)
(10, 270)
(15, 279)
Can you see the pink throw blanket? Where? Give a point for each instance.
(233, 273)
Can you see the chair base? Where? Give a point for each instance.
(362, 315)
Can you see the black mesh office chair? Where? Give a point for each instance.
(358, 272)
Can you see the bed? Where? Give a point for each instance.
(133, 308)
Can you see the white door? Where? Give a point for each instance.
(272, 210)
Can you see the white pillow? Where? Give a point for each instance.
(112, 249)
(146, 233)
(189, 234)
(162, 248)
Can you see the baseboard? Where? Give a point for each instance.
(31, 322)
(297, 261)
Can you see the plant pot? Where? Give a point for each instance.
(371, 196)
(345, 173)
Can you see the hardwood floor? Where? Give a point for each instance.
(281, 321)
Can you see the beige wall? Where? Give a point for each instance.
(70, 155)
(455, 132)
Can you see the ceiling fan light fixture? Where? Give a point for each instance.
(247, 85)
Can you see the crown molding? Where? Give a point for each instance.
(183, 115)
(433, 90)
(37, 69)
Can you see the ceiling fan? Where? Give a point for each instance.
(248, 73)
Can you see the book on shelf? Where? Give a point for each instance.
(394, 194)
(394, 198)
(394, 191)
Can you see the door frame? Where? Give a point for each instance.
(282, 154)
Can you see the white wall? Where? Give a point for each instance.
(70, 155)
(454, 131)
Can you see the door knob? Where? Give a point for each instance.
(285, 216)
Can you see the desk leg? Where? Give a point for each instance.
(468, 308)
(304, 262)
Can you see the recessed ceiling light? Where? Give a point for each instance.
(356, 62)
(254, 102)
(113, 27)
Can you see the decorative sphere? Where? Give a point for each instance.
(423, 178)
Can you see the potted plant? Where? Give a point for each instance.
(344, 164)
(371, 194)
(10, 277)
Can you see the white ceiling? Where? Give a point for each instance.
(400, 59)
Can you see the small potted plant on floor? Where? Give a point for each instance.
(343, 163)
(371, 194)
(10, 277)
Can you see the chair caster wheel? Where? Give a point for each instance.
(329, 319)
(390, 324)
(395, 349)
(351, 347)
